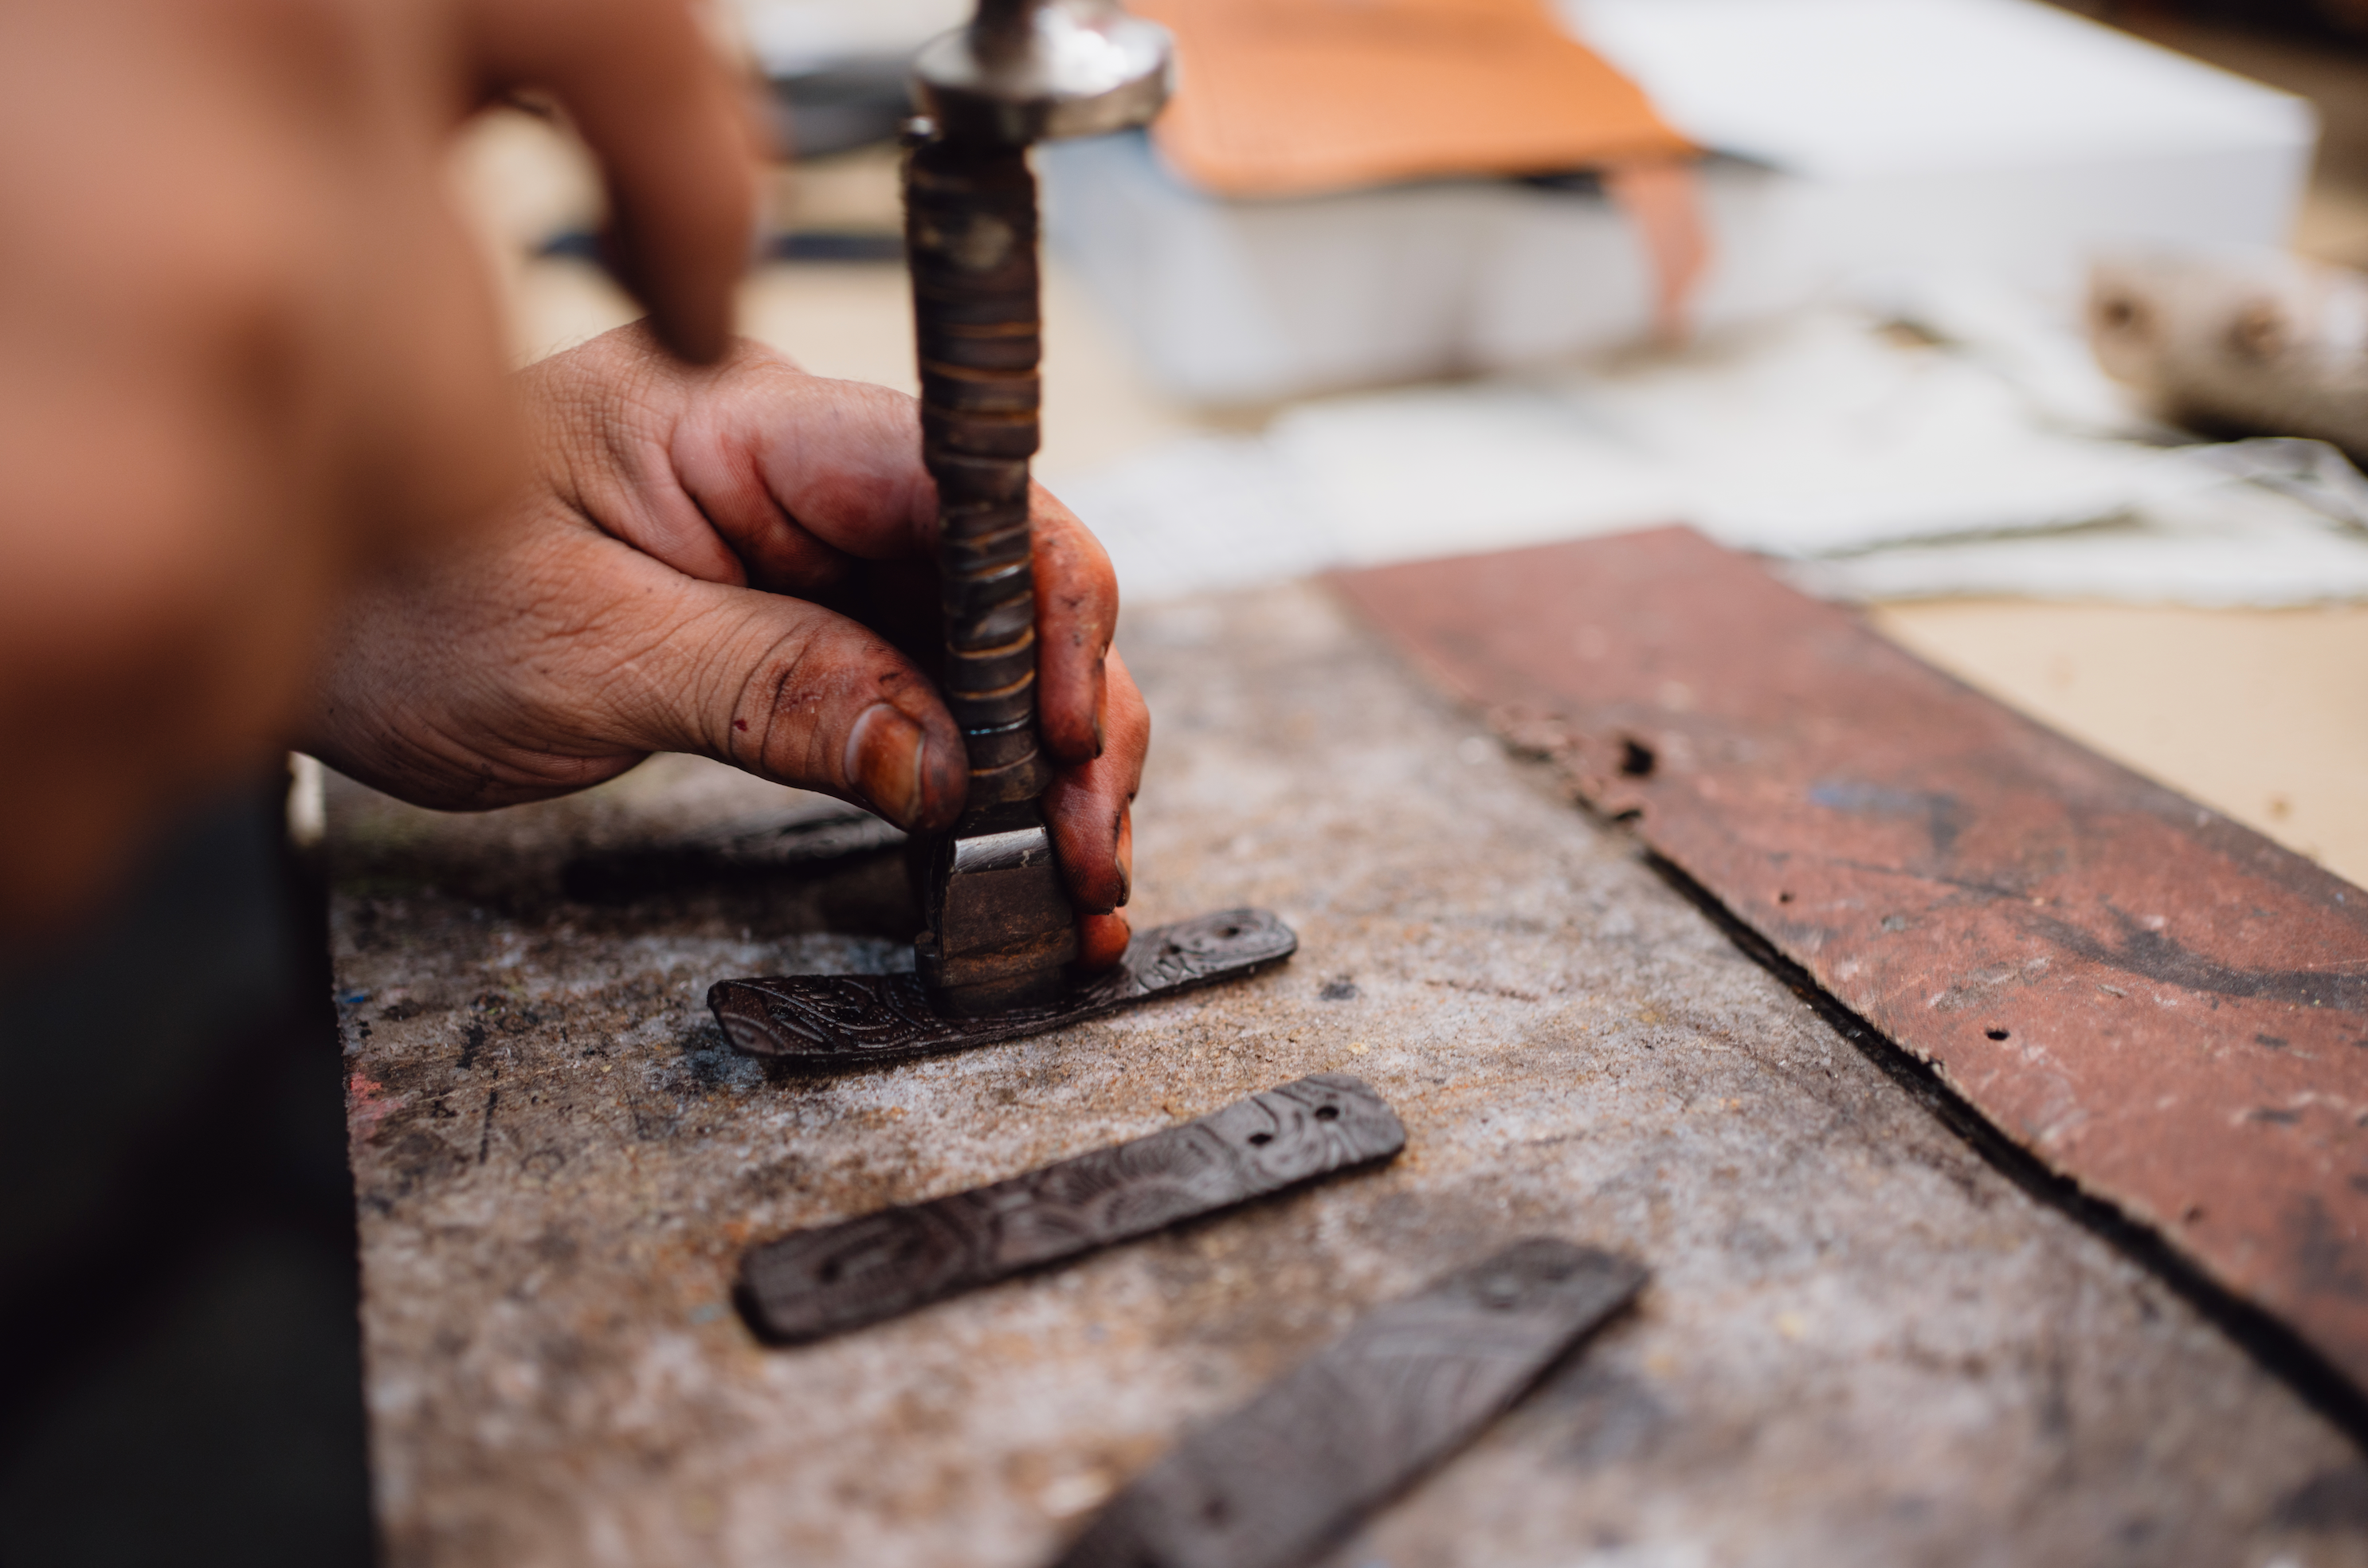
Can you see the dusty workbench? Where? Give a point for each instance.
(1861, 1342)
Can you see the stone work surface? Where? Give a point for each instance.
(1860, 1345)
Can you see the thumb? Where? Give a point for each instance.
(794, 693)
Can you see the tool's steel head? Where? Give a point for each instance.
(1001, 930)
(1044, 70)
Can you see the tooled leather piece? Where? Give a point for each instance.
(810, 1284)
(1291, 1473)
(831, 1021)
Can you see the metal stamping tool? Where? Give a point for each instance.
(1293, 1471)
(992, 959)
(1000, 931)
(1000, 934)
(824, 1281)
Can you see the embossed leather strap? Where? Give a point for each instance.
(832, 1021)
(1293, 1470)
(813, 1283)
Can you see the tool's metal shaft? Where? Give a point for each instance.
(971, 230)
(1001, 931)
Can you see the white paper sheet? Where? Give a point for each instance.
(1889, 464)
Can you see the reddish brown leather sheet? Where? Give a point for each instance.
(2159, 1004)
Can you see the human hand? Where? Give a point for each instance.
(724, 561)
(247, 352)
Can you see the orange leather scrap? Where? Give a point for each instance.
(1293, 97)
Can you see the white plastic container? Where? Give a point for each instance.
(1861, 138)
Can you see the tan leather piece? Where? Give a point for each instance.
(1293, 97)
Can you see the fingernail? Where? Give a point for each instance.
(1101, 941)
(1102, 700)
(1123, 849)
(886, 761)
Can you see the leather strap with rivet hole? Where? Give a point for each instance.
(813, 1283)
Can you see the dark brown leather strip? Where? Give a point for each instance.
(1289, 1474)
(833, 1021)
(744, 852)
(814, 1283)
(2159, 1004)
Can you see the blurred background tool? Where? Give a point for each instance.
(2246, 344)
(1001, 929)
(841, 105)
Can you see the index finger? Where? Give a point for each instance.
(1076, 613)
(652, 96)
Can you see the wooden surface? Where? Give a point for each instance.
(1861, 1343)
(2261, 714)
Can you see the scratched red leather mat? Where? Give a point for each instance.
(2158, 1003)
